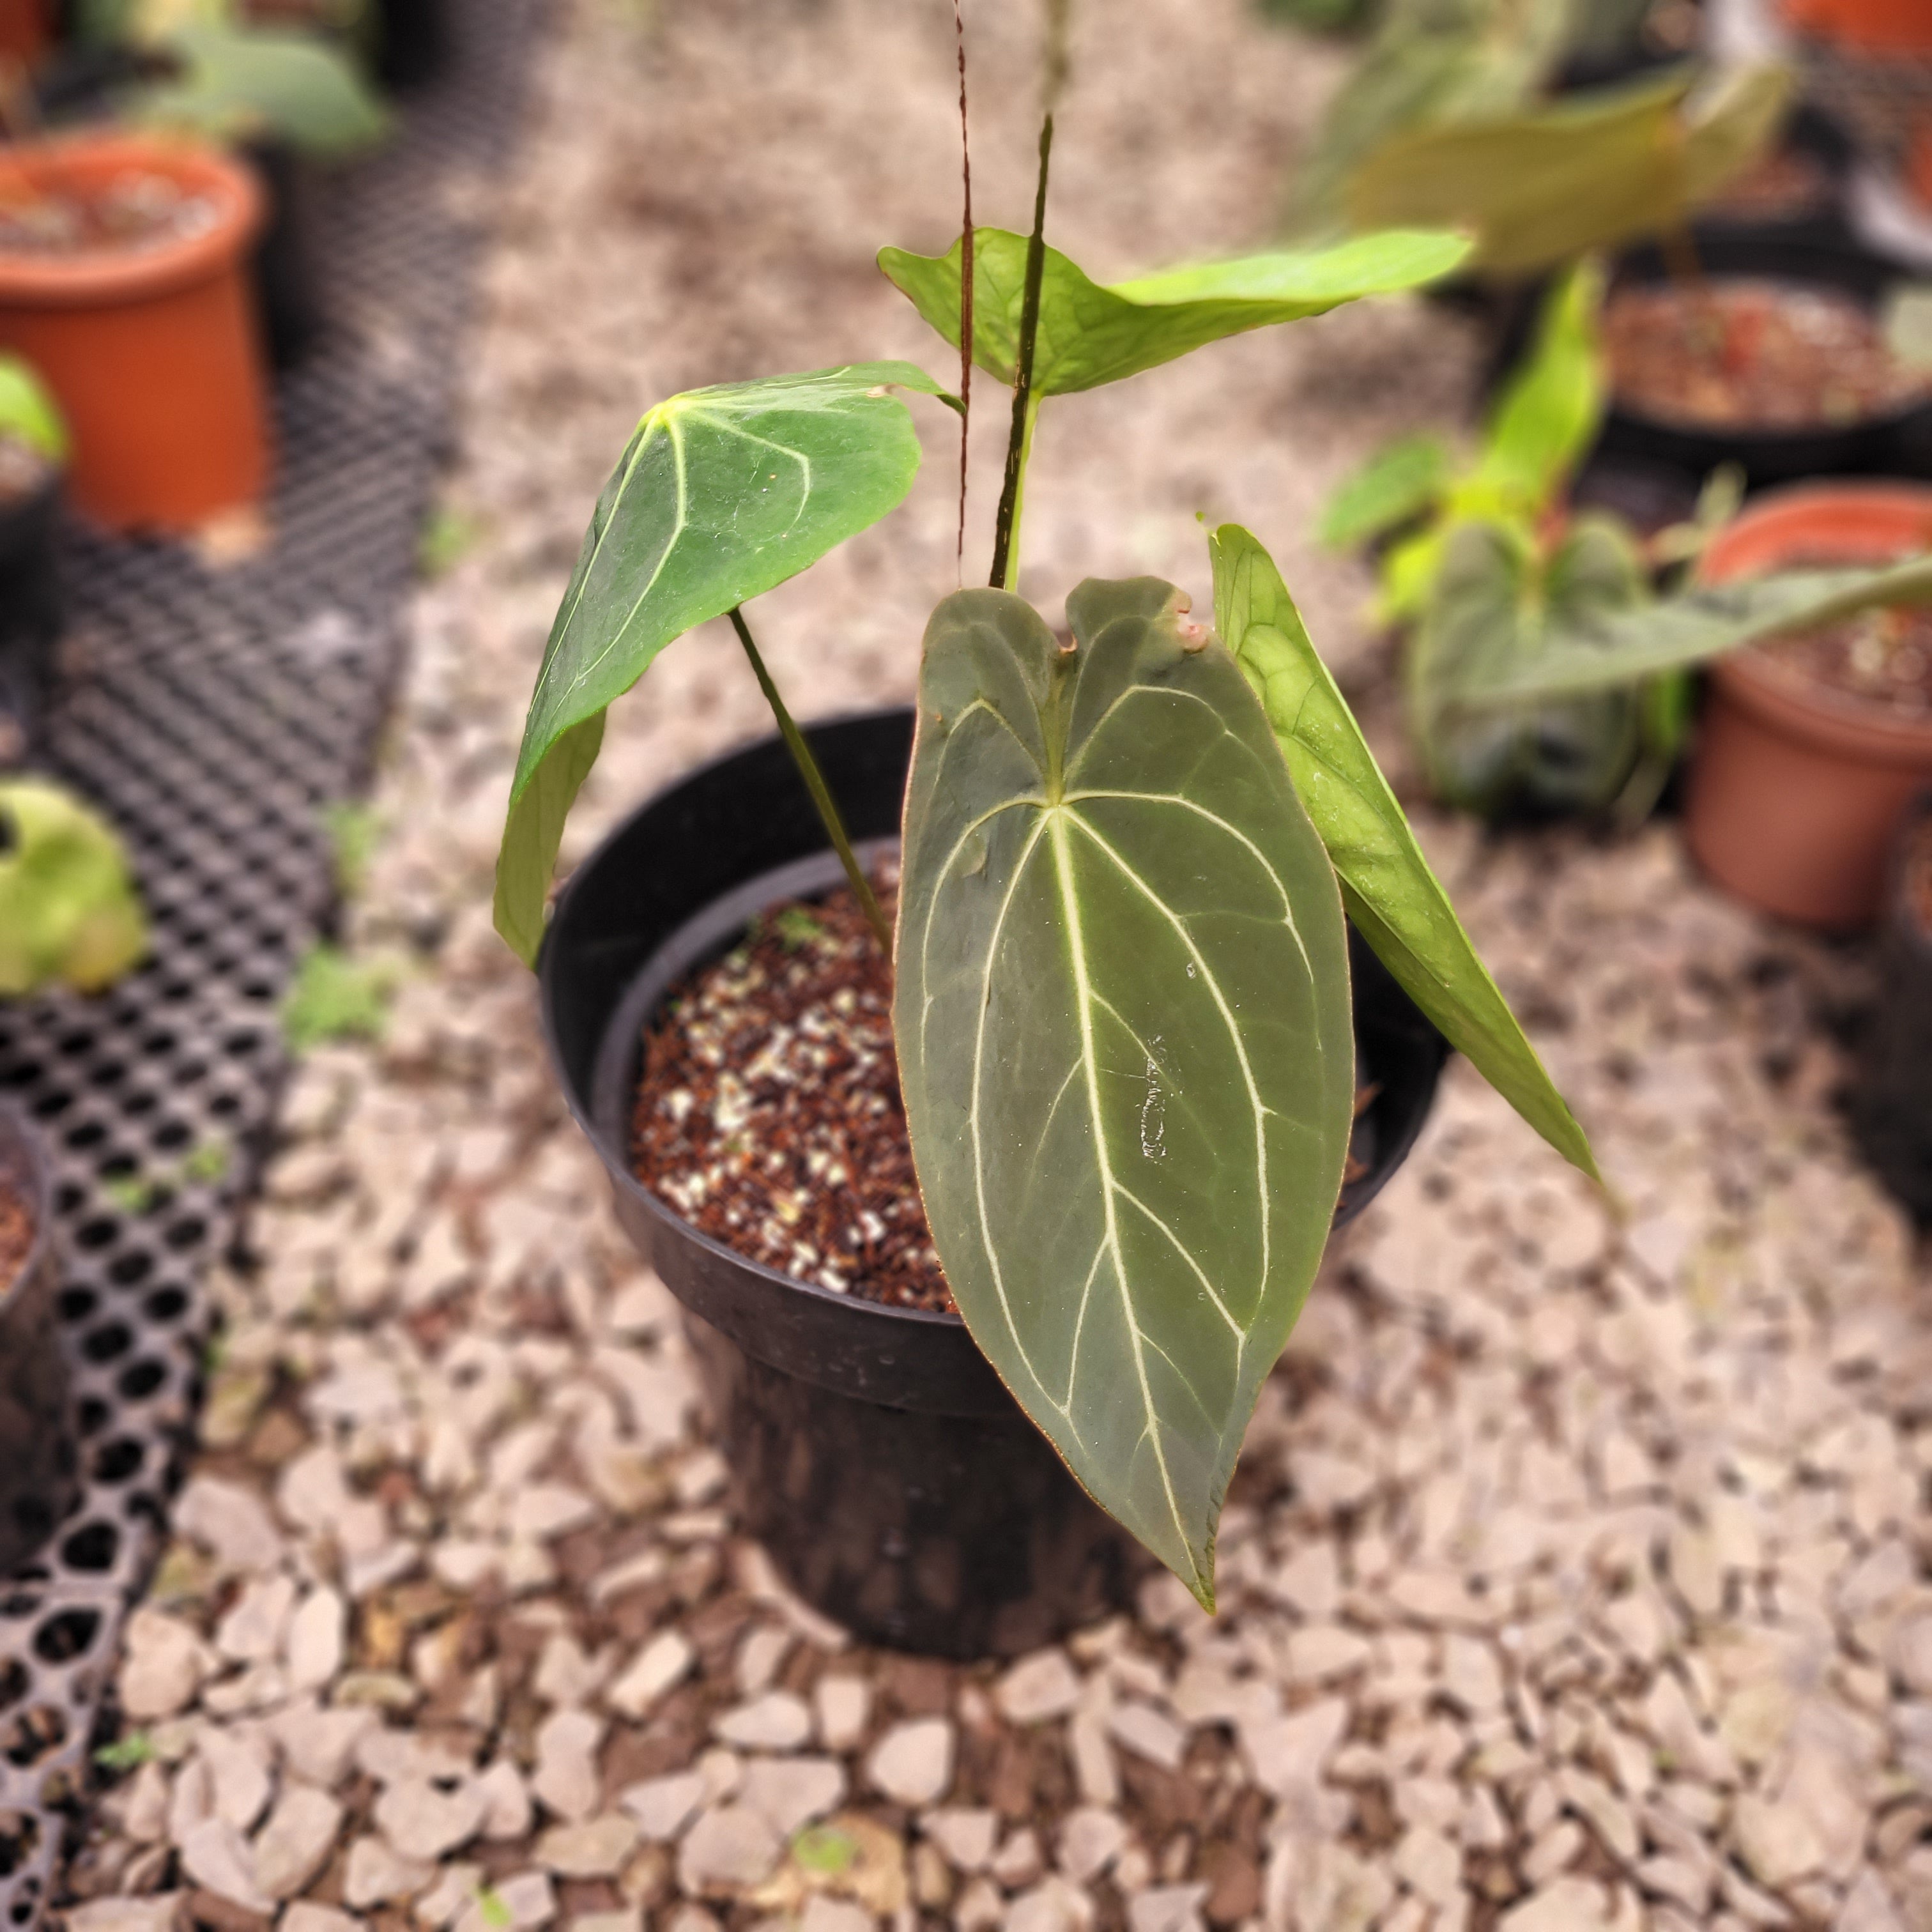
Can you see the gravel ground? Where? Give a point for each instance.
(1576, 1572)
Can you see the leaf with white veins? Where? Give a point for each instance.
(1124, 1035)
(722, 494)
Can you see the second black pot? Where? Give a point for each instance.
(1876, 445)
(874, 1451)
(30, 616)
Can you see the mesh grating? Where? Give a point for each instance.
(214, 714)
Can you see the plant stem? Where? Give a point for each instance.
(814, 783)
(1006, 557)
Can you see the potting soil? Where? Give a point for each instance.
(769, 1114)
(1752, 354)
(135, 210)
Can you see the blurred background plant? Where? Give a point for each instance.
(69, 913)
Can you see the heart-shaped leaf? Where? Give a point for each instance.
(1494, 600)
(722, 494)
(1396, 902)
(1090, 334)
(1124, 1036)
(1546, 185)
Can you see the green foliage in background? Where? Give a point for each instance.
(69, 913)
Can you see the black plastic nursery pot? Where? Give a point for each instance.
(874, 1451)
(1892, 1109)
(30, 614)
(1889, 444)
(39, 1483)
(413, 41)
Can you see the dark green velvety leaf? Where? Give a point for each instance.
(1545, 186)
(1124, 1037)
(1596, 649)
(722, 494)
(1394, 899)
(1090, 334)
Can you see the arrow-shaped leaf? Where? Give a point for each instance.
(1090, 334)
(1394, 899)
(1124, 1037)
(722, 494)
(1574, 653)
(1545, 186)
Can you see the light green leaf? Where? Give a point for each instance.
(722, 494)
(69, 913)
(1431, 62)
(240, 81)
(1397, 484)
(1549, 415)
(1090, 334)
(1597, 649)
(1542, 187)
(28, 412)
(1394, 899)
(1124, 1037)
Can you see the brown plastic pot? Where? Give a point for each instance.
(1795, 791)
(1868, 26)
(151, 351)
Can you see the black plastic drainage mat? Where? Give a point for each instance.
(215, 714)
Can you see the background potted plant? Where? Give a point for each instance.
(1121, 997)
(1489, 570)
(33, 455)
(122, 281)
(286, 99)
(68, 917)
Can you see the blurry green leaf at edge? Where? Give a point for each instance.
(1400, 482)
(28, 412)
(1392, 896)
(663, 555)
(1091, 334)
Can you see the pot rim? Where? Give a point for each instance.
(105, 278)
(38, 1190)
(584, 1110)
(1779, 521)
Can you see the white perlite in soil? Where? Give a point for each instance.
(1576, 1575)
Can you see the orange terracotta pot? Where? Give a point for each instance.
(1867, 26)
(24, 30)
(1796, 790)
(151, 351)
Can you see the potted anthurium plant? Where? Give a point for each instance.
(1118, 982)
(1546, 670)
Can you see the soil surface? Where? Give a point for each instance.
(1752, 354)
(1879, 658)
(136, 211)
(16, 1233)
(769, 1114)
(1781, 187)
